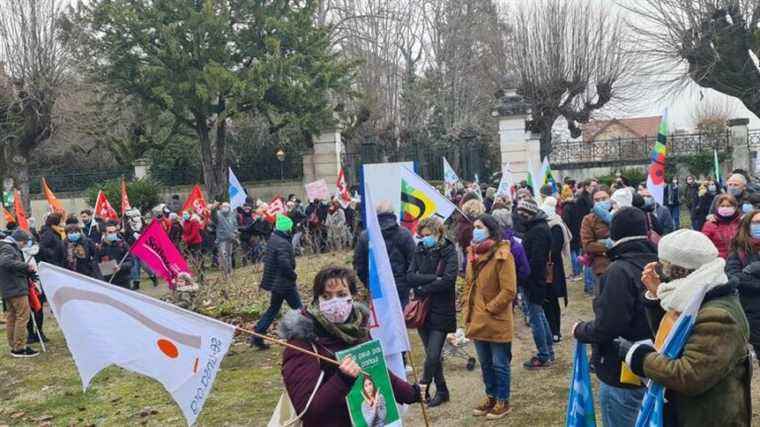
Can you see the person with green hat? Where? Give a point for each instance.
(279, 276)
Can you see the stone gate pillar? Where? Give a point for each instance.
(325, 159)
(738, 138)
(517, 145)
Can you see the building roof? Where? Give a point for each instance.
(638, 126)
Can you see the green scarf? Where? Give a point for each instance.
(352, 332)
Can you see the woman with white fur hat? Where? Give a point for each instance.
(709, 384)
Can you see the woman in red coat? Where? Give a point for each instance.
(331, 323)
(191, 234)
(724, 227)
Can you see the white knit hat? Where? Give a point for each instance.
(687, 248)
(623, 198)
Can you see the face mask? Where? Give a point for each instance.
(726, 212)
(429, 241)
(336, 310)
(754, 230)
(479, 235)
(225, 210)
(112, 237)
(747, 208)
(648, 201)
(712, 188)
(74, 237)
(186, 216)
(604, 206)
(736, 192)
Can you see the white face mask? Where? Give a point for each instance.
(336, 310)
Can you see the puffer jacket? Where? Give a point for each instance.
(400, 246)
(279, 264)
(518, 253)
(491, 287)
(13, 271)
(744, 269)
(537, 243)
(594, 229)
(433, 274)
(301, 371)
(722, 232)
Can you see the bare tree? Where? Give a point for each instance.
(35, 65)
(711, 116)
(713, 43)
(569, 58)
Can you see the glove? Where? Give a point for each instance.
(623, 347)
(753, 268)
(607, 243)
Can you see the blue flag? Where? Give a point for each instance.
(236, 191)
(580, 404)
(653, 405)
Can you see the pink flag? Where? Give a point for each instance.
(158, 252)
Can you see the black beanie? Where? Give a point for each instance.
(628, 222)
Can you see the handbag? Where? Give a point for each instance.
(285, 414)
(416, 311)
(550, 271)
(652, 235)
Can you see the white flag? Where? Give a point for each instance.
(420, 200)
(107, 325)
(450, 178)
(507, 182)
(237, 193)
(388, 323)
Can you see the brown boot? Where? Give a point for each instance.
(501, 410)
(486, 405)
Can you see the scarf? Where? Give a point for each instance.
(351, 332)
(677, 294)
(480, 249)
(60, 230)
(566, 234)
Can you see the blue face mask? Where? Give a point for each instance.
(74, 237)
(603, 206)
(112, 237)
(479, 235)
(747, 208)
(429, 241)
(754, 230)
(736, 192)
(648, 201)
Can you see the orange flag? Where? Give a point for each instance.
(20, 214)
(125, 206)
(8, 216)
(196, 203)
(103, 208)
(53, 202)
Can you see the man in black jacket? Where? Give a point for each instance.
(619, 311)
(14, 288)
(400, 245)
(279, 276)
(537, 242)
(114, 251)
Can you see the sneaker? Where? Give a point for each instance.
(499, 411)
(30, 352)
(536, 363)
(486, 405)
(24, 353)
(259, 344)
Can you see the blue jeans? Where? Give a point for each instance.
(135, 271)
(291, 297)
(495, 359)
(588, 280)
(675, 212)
(577, 267)
(542, 334)
(620, 406)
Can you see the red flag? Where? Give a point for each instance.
(103, 208)
(196, 203)
(8, 216)
(345, 196)
(275, 206)
(18, 207)
(53, 202)
(125, 206)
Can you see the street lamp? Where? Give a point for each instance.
(281, 157)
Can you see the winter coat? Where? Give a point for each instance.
(226, 227)
(701, 210)
(558, 288)
(336, 218)
(573, 217)
(722, 232)
(301, 371)
(92, 231)
(671, 195)
(748, 283)
(191, 232)
(518, 253)
(619, 310)
(709, 385)
(491, 287)
(594, 229)
(13, 271)
(116, 251)
(691, 195)
(433, 274)
(665, 219)
(83, 254)
(538, 244)
(175, 233)
(51, 247)
(279, 264)
(400, 246)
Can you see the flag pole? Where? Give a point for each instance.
(422, 400)
(118, 267)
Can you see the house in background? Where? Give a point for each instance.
(631, 128)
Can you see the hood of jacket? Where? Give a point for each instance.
(637, 250)
(538, 219)
(388, 223)
(299, 325)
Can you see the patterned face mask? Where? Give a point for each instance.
(336, 310)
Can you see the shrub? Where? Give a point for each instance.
(143, 194)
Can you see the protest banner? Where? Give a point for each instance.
(371, 402)
(103, 208)
(344, 197)
(317, 190)
(156, 251)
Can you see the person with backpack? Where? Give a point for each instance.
(400, 245)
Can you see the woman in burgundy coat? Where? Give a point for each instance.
(331, 323)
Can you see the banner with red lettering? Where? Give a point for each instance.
(103, 208)
(155, 250)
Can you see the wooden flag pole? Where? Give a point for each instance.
(422, 398)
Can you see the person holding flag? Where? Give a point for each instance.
(700, 353)
(113, 257)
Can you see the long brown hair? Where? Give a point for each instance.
(742, 243)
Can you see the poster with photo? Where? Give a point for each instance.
(371, 402)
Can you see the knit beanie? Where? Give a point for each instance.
(283, 223)
(623, 197)
(503, 216)
(20, 235)
(628, 222)
(687, 248)
(527, 207)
